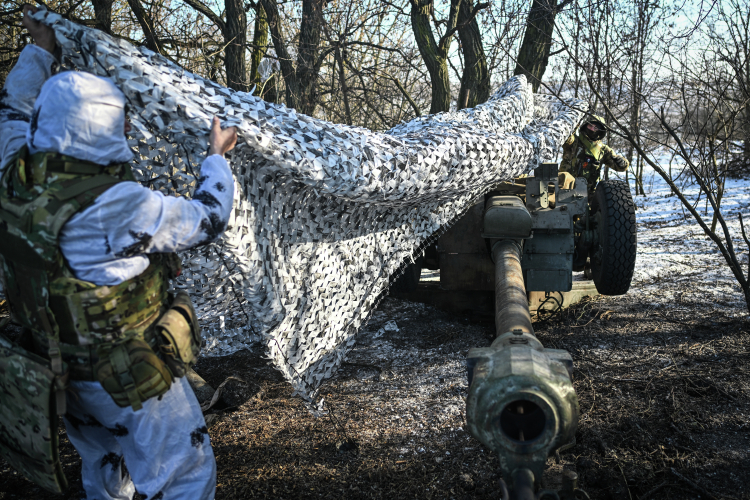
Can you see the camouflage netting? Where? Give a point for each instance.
(324, 214)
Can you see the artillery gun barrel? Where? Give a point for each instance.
(521, 401)
(511, 304)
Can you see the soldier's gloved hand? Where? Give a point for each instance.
(621, 164)
(43, 35)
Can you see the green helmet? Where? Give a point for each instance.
(594, 128)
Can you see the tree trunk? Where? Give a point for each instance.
(147, 25)
(260, 47)
(235, 38)
(279, 44)
(634, 110)
(344, 88)
(535, 48)
(475, 81)
(718, 180)
(640, 177)
(308, 66)
(434, 54)
(103, 14)
(301, 83)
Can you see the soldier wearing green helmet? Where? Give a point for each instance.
(584, 153)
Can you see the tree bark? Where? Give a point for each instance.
(234, 30)
(308, 65)
(103, 15)
(203, 9)
(475, 81)
(537, 41)
(235, 38)
(434, 54)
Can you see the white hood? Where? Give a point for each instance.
(80, 115)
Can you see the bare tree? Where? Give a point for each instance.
(234, 30)
(534, 53)
(265, 89)
(730, 38)
(301, 80)
(103, 14)
(147, 25)
(475, 81)
(373, 77)
(435, 52)
(695, 113)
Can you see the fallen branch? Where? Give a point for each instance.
(653, 490)
(693, 484)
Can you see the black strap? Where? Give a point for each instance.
(84, 185)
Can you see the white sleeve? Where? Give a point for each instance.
(17, 99)
(137, 220)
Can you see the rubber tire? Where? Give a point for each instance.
(617, 238)
(409, 281)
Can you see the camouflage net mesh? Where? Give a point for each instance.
(324, 215)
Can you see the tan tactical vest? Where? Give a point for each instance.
(68, 318)
(78, 330)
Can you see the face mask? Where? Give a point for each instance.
(596, 134)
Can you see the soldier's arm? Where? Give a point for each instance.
(137, 220)
(566, 164)
(22, 86)
(613, 160)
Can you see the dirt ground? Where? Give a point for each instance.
(663, 394)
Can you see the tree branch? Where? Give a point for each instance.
(445, 41)
(203, 9)
(473, 14)
(147, 25)
(406, 94)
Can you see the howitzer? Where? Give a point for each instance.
(521, 402)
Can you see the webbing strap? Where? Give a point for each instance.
(56, 364)
(55, 358)
(85, 185)
(81, 168)
(121, 365)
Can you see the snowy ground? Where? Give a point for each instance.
(676, 260)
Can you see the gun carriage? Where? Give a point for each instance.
(524, 241)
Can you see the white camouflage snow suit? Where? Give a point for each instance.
(165, 445)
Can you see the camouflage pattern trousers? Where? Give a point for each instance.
(165, 445)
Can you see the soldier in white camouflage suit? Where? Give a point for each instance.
(104, 295)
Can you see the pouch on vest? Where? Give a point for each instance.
(28, 416)
(181, 334)
(131, 373)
